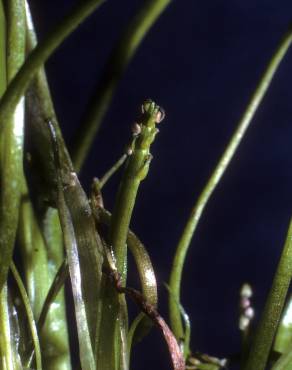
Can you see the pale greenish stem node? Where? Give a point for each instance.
(196, 212)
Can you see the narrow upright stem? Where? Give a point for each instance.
(6, 358)
(11, 139)
(30, 317)
(112, 171)
(42, 249)
(141, 324)
(267, 327)
(118, 61)
(11, 154)
(71, 246)
(135, 171)
(196, 212)
(3, 76)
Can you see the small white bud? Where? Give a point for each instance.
(244, 302)
(73, 179)
(194, 361)
(160, 115)
(243, 322)
(136, 129)
(223, 362)
(246, 291)
(249, 313)
(145, 106)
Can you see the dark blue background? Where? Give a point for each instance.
(201, 62)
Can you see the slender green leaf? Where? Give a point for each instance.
(3, 75)
(6, 351)
(216, 176)
(266, 330)
(30, 316)
(11, 141)
(283, 340)
(71, 245)
(43, 251)
(187, 328)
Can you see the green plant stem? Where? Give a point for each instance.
(71, 245)
(40, 54)
(38, 271)
(187, 328)
(55, 288)
(7, 146)
(135, 171)
(5, 348)
(11, 138)
(53, 292)
(283, 339)
(196, 212)
(29, 314)
(88, 242)
(3, 76)
(141, 324)
(34, 255)
(140, 255)
(270, 318)
(112, 171)
(120, 57)
(5, 337)
(42, 244)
